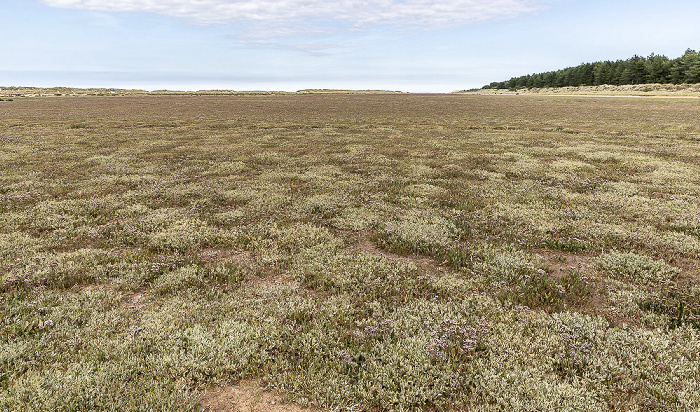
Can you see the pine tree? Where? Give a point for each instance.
(689, 63)
(692, 75)
(657, 68)
(617, 75)
(635, 70)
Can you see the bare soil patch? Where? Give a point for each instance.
(424, 264)
(561, 263)
(246, 396)
(215, 255)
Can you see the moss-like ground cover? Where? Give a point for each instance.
(363, 252)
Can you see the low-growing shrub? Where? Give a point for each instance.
(369, 277)
(226, 273)
(506, 264)
(182, 278)
(573, 360)
(636, 268)
(538, 289)
(679, 302)
(422, 232)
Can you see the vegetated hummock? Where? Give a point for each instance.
(362, 251)
(635, 70)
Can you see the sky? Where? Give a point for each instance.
(402, 45)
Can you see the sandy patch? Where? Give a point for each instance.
(246, 396)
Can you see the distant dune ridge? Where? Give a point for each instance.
(15, 91)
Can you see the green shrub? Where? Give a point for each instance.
(539, 290)
(680, 303)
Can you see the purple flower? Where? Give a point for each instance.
(45, 324)
(135, 330)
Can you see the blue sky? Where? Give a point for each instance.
(407, 45)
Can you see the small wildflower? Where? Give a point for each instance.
(449, 339)
(381, 327)
(46, 324)
(135, 330)
(345, 355)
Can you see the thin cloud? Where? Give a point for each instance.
(290, 13)
(310, 48)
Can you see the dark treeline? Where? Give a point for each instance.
(636, 70)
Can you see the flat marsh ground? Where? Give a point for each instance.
(363, 252)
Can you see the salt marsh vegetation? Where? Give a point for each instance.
(350, 252)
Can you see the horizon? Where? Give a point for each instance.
(409, 46)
